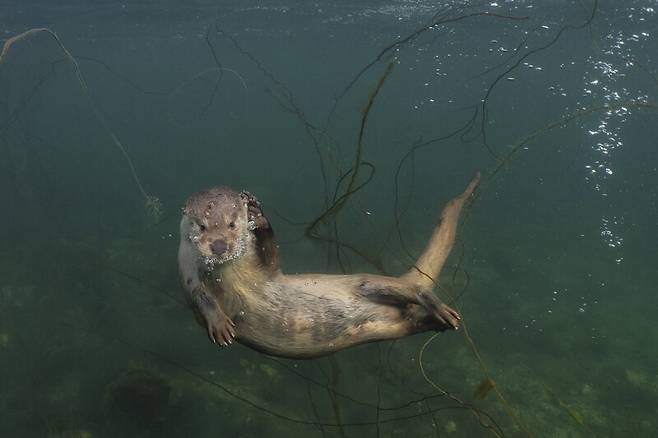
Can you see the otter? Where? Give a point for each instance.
(229, 267)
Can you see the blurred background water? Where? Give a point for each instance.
(556, 266)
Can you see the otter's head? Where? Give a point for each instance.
(218, 222)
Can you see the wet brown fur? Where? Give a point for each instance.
(308, 315)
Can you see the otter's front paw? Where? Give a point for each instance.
(220, 329)
(447, 317)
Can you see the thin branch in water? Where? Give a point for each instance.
(437, 20)
(220, 72)
(286, 100)
(492, 86)
(121, 76)
(152, 203)
(339, 202)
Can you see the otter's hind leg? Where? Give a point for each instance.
(423, 276)
(416, 286)
(406, 321)
(421, 320)
(401, 293)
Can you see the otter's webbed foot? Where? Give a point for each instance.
(219, 326)
(445, 316)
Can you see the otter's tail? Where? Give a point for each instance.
(428, 266)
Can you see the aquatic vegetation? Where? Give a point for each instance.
(484, 388)
(218, 73)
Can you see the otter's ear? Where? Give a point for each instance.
(254, 211)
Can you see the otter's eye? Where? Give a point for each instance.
(231, 224)
(202, 227)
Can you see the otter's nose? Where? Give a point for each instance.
(218, 247)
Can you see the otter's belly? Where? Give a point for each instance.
(296, 323)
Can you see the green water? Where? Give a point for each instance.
(555, 268)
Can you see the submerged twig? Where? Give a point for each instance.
(408, 39)
(351, 188)
(152, 203)
(492, 86)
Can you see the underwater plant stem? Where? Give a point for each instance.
(556, 37)
(494, 428)
(364, 121)
(149, 200)
(564, 121)
(331, 387)
(351, 189)
(314, 408)
(485, 370)
(290, 104)
(408, 39)
(220, 71)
